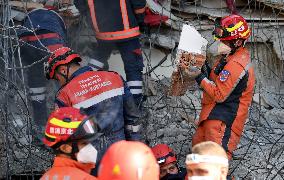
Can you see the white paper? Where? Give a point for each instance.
(192, 41)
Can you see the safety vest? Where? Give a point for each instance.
(116, 19)
(105, 95)
(228, 95)
(90, 88)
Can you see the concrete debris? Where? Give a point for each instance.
(23, 6)
(189, 60)
(276, 115)
(150, 86)
(70, 14)
(192, 98)
(50, 3)
(213, 4)
(188, 118)
(17, 15)
(259, 99)
(277, 4)
(153, 58)
(173, 120)
(188, 66)
(271, 97)
(70, 10)
(248, 14)
(173, 21)
(163, 41)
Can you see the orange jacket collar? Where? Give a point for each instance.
(66, 162)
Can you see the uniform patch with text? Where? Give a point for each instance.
(224, 75)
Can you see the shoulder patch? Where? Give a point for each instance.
(224, 75)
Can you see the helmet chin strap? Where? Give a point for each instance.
(234, 46)
(75, 149)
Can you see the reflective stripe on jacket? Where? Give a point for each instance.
(116, 19)
(68, 169)
(227, 96)
(43, 19)
(106, 96)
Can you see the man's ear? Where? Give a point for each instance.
(66, 148)
(62, 69)
(224, 172)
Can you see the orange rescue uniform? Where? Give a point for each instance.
(226, 100)
(65, 168)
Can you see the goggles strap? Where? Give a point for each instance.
(67, 74)
(234, 46)
(74, 146)
(75, 150)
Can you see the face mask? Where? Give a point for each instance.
(218, 48)
(224, 49)
(200, 178)
(87, 154)
(172, 177)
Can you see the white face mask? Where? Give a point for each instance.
(224, 49)
(218, 48)
(200, 178)
(87, 154)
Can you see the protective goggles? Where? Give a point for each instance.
(220, 32)
(196, 158)
(87, 130)
(163, 159)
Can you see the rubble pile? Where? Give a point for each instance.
(21, 153)
(260, 154)
(171, 119)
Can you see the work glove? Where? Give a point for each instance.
(206, 69)
(204, 73)
(143, 28)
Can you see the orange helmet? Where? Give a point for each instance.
(68, 124)
(164, 154)
(126, 160)
(59, 57)
(231, 27)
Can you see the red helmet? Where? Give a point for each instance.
(164, 154)
(68, 124)
(59, 57)
(231, 27)
(126, 160)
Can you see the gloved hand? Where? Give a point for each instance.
(206, 69)
(205, 72)
(200, 77)
(143, 28)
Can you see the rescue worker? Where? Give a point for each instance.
(167, 160)
(101, 93)
(116, 24)
(42, 32)
(227, 88)
(126, 160)
(208, 161)
(69, 132)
